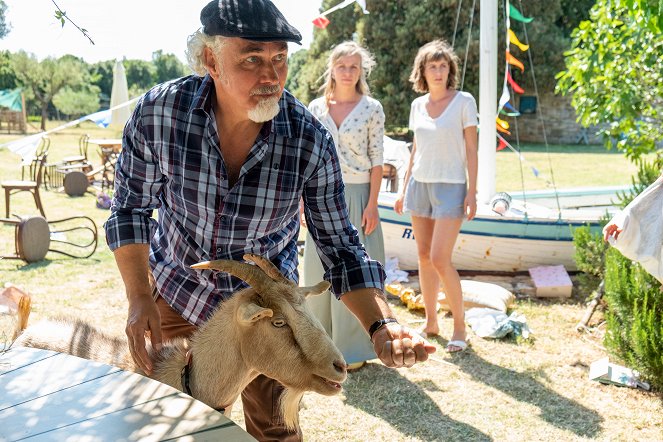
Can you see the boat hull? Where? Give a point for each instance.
(491, 242)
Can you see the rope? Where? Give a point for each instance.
(467, 47)
(540, 115)
(453, 39)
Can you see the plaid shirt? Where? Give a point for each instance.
(171, 161)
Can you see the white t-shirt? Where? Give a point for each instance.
(440, 152)
(359, 139)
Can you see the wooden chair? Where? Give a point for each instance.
(34, 236)
(15, 186)
(83, 142)
(390, 173)
(28, 163)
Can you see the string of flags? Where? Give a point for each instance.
(504, 107)
(322, 21)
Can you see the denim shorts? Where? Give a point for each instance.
(435, 200)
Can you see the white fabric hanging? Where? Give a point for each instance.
(641, 223)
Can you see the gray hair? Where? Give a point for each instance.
(196, 44)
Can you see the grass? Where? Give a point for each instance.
(498, 390)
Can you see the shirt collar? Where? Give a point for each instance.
(280, 125)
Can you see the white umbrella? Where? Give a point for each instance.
(119, 95)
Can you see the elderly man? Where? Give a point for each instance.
(225, 156)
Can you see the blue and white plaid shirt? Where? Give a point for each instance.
(171, 161)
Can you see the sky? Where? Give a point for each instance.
(131, 29)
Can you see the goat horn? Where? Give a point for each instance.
(252, 275)
(266, 265)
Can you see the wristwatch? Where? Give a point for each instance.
(378, 324)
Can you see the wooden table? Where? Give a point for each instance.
(110, 143)
(49, 396)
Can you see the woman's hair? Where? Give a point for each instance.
(435, 50)
(342, 50)
(196, 44)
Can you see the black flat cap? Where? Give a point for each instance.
(256, 20)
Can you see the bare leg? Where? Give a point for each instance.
(429, 281)
(442, 245)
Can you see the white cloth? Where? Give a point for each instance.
(359, 139)
(641, 222)
(440, 142)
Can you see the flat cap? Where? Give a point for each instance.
(256, 20)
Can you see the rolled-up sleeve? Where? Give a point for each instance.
(138, 183)
(346, 263)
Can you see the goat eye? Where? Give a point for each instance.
(278, 322)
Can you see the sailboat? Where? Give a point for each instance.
(527, 234)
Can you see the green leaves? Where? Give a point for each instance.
(614, 72)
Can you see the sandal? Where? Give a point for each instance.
(462, 345)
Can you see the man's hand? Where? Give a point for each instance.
(399, 346)
(143, 317)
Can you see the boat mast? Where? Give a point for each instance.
(487, 99)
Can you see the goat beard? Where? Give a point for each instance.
(289, 403)
(267, 108)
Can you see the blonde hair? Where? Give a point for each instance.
(435, 50)
(195, 47)
(342, 50)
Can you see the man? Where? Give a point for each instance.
(225, 157)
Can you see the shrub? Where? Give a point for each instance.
(634, 316)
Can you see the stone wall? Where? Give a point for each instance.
(559, 119)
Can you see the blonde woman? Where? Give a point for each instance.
(440, 182)
(356, 122)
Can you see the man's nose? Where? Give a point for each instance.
(270, 74)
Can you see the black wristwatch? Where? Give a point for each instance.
(378, 324)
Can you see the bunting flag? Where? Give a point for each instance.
(513, 39)
(502, 123)
(506, 96)
(517, 89)
(501, 144)
(516, 15)
(535, 171)
(514, 61)
(321, 22)
(501, 128)
(510, 111)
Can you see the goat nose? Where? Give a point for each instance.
(340, 366)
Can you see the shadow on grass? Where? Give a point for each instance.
(557, 410)
(405, 405)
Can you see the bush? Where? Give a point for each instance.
(589, 257)
(634, 316)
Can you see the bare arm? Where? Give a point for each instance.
(143, 316)
(370, 217)
(471, 148)
(396, 346)
(398, 205)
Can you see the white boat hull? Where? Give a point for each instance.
(491, 242)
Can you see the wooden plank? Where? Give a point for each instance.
(177, 417)
(46, 376)
(17, 357)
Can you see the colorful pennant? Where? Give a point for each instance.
(514, 61)
(516, 15)
(510, 111)
(516, 88)
(513, 39)
(321, 22)
(501, 144)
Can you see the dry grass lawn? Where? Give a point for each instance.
(497, 390)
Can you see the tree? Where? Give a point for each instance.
(7, 76)
(615, 72)
(140, 74)
(168, 67)
(4, 25)
(101, 75)
(46, 78)
(77, 103)
(296, 61)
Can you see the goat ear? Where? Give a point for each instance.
(251, 312)
(317, 289)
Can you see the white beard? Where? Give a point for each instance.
(265, 110)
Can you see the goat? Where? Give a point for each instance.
(264, 329)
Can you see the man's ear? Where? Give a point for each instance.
(211, 63)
